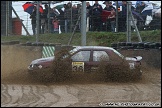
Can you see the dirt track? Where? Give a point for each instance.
(19, 90)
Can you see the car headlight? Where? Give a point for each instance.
(40, 66)
(35, 66)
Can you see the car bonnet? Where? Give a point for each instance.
(42, 60)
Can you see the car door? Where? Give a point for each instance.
(98, 56)
(80, 60)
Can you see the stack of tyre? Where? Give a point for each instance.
(136, 45)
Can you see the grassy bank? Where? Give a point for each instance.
(93, 38)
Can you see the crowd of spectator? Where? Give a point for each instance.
(66, 20)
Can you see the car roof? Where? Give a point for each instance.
(96, 47)
(92, 47)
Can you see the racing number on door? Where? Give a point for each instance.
(78, 66)
(74, 68)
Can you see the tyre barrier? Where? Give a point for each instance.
(28, 43)
(140, 45)
(146, 45)
(10, 42)
(128, 43)
(152, 46)
(136, 45)
(114, 45)
(46, 44)
(157, 45)
(37, 44)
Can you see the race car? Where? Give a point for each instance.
(88, 59)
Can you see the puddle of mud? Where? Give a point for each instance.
(22, 77)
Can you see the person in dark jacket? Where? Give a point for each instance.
(89, 16)
(74, 16)
(67, 16)
(33, 20)
(109, 6)
(124, 15)
(44, 19)
(96, 16)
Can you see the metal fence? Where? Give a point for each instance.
(12, 24)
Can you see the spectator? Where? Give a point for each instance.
(33, 20)
(74, 16)
(108, 7)
(62, 20)
(124, 15)
(67, 16)
(44, 21)
(112, 19)
(96, 16)
(55, 23)
(88, 16)
(132, 7)
(140, 23)
(53, 13)
(138, 8)
(143, 5)
(120, 22)
(79, 14)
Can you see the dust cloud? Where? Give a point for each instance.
(14, 62)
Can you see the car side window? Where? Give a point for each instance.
(81, 56)
(100, 56)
